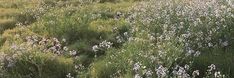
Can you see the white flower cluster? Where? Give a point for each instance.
(102, 46)
(69, 75)
(44, 45)
(161, 71)
(190, 22)
(213, 72)
(139, 69)
(181, 72)
(73, 53)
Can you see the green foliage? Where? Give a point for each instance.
(40, 65)
(163, 22)
(116, 38)
(119, 63)
(16, 35)
(21, 60)
(199, 31)
(82, 28)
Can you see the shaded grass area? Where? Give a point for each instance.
(6, 24)
(7, 18)
(222, 57)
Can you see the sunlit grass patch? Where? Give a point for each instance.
(6, 13)
(18, 3)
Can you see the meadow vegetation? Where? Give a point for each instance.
(116, 38)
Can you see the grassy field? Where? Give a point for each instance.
(7, 18)
(11, 9)
(116, 39)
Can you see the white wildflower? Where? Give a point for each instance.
(195, 73)
(73, 53)
(95, 48)
(211, 67)
(137, 76)
(136, 66)
(225, 43)
(197, 53)
(69, 75)
(217, 74)
(161, 71)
